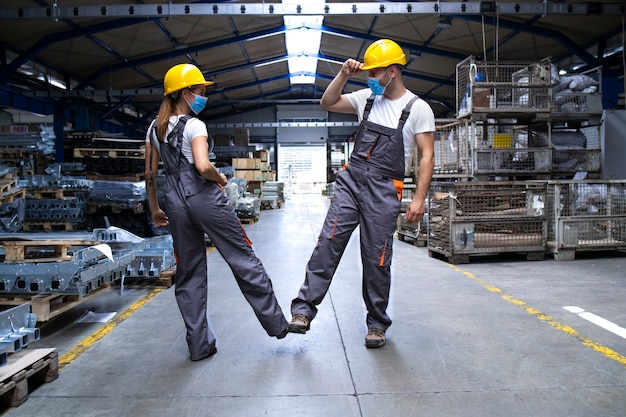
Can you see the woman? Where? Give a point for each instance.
(196, 204)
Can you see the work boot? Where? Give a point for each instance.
(299, 324)
(375, 338)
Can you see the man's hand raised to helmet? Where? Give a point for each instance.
(351, 67)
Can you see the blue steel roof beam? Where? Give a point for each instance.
(117, 55)
(174, 53)
(356, 35)
(256, 35)
(48, 40)
(574, 48)
(171, 37)
(224, 90)
(117, 106)
(240, 44)
(261, 99)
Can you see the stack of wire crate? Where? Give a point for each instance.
(481, 218)
(585, 215)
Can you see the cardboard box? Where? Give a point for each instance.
(481, 97)
(222, 139)
(255, 187)
(263, 154)
(246, 163)
(242, 136)
(249, 174)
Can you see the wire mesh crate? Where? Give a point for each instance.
(487, 218)
(568, 161)
(576, 150)
(585, 215)
(503, 162)
(506, 147)
(502, 87)
(452, 139)
(578, 96)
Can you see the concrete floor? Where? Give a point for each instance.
(489, 338)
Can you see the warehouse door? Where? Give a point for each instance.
(302, 168)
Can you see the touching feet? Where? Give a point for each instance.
(299, 324)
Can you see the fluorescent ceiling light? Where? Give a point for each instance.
(303, 44)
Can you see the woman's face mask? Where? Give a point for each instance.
(198, 104)
(374, 84)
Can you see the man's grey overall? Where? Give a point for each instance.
(368, 193)
(195, 206)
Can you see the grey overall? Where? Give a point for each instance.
(195, 206)
(367, 194)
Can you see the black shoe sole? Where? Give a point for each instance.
(283, 334)
(373, 345)
(297, 329)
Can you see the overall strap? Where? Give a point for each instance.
(368, 106)
(177, 132)
(406, 111)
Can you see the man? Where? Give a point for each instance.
(368, 190)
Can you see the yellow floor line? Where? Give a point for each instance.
(609, 353)
(89, 341)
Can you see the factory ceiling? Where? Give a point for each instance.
(110, 56)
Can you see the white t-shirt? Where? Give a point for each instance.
(387, 113)
(194, 128)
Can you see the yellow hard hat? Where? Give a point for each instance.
(182, 76)
(382, 53)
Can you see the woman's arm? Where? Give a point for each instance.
(159, 218)
(200, 152)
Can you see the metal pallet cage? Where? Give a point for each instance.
(506, 147)
(585, 214)
(487, 217)
(502, 87)
(578, 96)
(452, 141)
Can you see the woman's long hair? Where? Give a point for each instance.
(166, 110)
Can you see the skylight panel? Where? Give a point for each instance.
(303, 45)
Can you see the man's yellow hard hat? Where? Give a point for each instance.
(382, 53)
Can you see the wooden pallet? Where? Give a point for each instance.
(116, 208)
(48, 306)
(55, 193)
(21, 250)
(109, 153)
(6, 184)
(24, 372)
(51, 226)
(464, 258)
(8, 197)
(412, 237)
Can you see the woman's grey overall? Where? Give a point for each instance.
(196, 206)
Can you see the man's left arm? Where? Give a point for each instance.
(425, 143)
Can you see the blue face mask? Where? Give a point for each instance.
(199, 103)
(374, 85)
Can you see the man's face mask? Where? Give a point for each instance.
(374, 84)
(199, 103)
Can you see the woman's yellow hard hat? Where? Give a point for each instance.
(182, 76)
